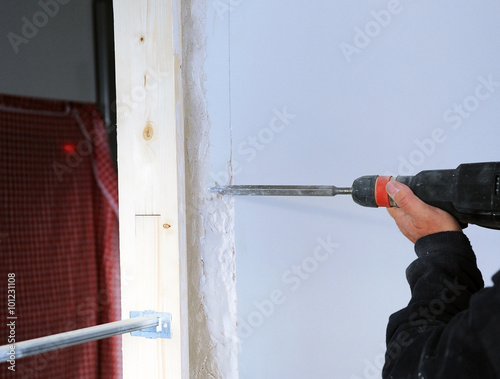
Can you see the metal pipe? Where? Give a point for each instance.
(75, 337)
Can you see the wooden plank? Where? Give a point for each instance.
(151, 181)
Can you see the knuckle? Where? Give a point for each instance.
(403, 200)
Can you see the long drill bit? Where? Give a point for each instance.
(269, 190)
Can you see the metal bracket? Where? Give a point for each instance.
(162, 330)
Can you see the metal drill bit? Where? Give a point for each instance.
(266, 190)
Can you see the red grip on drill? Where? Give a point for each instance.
(381, 196)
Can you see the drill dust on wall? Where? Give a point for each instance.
(210, 220)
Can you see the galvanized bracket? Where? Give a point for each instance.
(161, 330)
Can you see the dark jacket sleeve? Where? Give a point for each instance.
(451, 326)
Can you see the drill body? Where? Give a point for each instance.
(470, 193)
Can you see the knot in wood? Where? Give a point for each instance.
(148, 132)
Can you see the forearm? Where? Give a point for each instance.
(442, 281)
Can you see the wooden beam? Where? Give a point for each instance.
(151, 181)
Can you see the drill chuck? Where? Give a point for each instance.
(369, 191)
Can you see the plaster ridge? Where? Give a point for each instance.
(210, 222)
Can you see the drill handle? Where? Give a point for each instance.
(470, 193)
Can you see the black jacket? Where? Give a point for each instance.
(451, 326)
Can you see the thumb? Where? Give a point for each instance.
(403, 196)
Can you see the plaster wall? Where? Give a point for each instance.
(213, 337)
(322, 93)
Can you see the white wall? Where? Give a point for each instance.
(47, 50)
(372, 112)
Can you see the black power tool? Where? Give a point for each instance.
(470, 193)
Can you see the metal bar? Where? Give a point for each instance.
(75, 337)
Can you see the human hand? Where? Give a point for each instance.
(415, 218)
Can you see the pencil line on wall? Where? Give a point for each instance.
(230, 168)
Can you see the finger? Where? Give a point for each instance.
(403, 221)
(394, 212)
(400, 216)
(405, 198)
